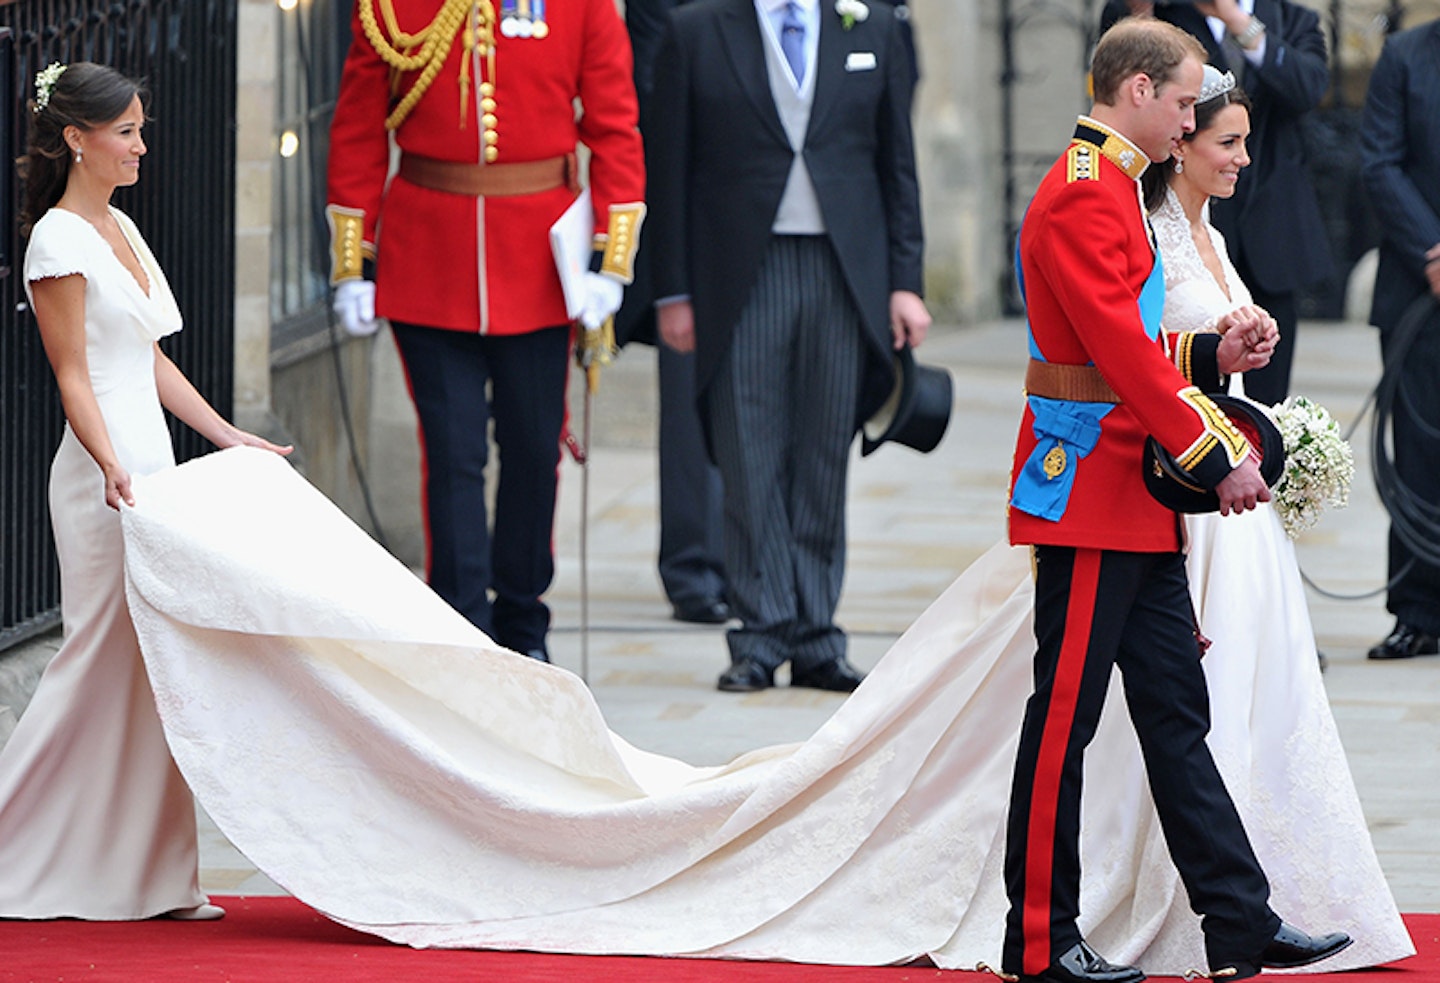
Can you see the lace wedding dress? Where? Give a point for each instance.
(383, 760)
(95, 821)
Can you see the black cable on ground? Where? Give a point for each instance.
(1414, 520)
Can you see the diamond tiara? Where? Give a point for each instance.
(1216, 83)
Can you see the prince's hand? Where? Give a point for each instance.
(1242, 488)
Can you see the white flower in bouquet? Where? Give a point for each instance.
(1318, 464)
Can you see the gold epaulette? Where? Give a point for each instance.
(620, 241)
(1080, 162)
(348, 251)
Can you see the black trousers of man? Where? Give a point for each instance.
(1096, 609)
(460, 382)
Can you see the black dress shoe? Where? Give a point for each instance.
(701, 611)
(1405, 642)
(839, 676)
(746, 676)
(1291, 947)
(1288, 949)
(1082, 964)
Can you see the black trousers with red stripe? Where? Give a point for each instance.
(1096, 609)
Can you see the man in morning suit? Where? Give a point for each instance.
(1400, 153)
(1110, 586)
(787, 246)
(691, 562)
(1272, 224)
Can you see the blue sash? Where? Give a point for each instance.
(1066, 431)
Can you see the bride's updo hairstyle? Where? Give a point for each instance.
(1227, 93)
(83, 95)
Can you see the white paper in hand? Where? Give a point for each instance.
(571, 241)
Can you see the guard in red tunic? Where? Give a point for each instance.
(1110, 585)
(480, 101)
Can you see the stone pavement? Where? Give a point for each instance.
(915, 522)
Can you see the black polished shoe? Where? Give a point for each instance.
(1405, 642)
(538, 654)
(838, 676)
(746, 676)
(701, 611)
(1291, 947)
(1082, 964)
(1288, 949)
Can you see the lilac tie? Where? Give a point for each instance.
(792, 41)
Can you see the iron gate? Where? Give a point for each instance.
(184, 204)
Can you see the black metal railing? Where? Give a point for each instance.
(184, 204)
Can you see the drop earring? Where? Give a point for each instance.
(77, 156)
(1179, 166)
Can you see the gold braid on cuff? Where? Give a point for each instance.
(347, 245)
(621, 240)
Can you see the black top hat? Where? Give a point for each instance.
(917, 410)
(1173, 487)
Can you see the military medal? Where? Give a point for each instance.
(1054, 463)
(523, 19)
(510, 18)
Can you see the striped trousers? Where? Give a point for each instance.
(782, 410)
(1094, 610)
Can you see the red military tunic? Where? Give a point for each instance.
(1082, 300)
(464, 262)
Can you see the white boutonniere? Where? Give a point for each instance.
(851, 12)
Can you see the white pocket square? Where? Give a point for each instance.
(860, 61)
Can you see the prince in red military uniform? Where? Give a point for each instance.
(480, 98)
(1110, 584)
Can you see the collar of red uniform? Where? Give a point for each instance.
(1120, 151)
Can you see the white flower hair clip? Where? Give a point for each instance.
(45, 80)
(851, 12)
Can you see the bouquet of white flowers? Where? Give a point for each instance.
(1318, 464)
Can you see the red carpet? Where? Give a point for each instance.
(280, 940)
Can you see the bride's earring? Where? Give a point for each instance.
(77, 156)
(1179, 166)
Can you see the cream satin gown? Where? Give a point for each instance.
(95, 820)
(376, 755)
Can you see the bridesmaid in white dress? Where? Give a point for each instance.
(95, 820)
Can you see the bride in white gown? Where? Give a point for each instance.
(381, 759)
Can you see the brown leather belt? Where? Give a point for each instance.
(1080, 383)
(490, 180)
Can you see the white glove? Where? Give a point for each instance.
(602, 299)
(354, 305)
